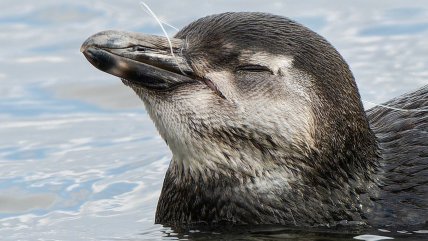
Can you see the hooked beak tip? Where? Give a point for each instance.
(88, 42)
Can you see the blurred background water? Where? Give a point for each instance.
(79, 157)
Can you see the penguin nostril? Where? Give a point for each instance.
(139, 48)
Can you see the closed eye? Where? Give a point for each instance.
(253, 68)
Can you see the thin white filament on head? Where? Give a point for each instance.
(166, 35)
(163, 22)
(395, 108)
(169, 25)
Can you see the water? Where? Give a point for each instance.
(79, 157)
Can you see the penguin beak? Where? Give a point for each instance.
(142, 59)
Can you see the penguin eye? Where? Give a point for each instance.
(253, 68)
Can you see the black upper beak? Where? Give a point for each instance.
(143, 59)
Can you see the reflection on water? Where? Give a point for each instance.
(79, 157)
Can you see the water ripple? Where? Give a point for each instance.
(79, 157)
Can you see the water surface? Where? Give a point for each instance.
(79, 157)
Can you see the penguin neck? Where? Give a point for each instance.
(277, 194)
